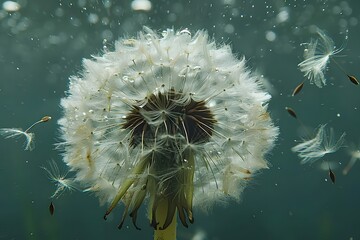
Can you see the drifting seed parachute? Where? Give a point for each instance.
(316, 58)
(18, 132)
(61, 181)
(173, 118)
(323, 143)
(317, 54)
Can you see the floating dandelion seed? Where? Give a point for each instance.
(353, 79)
(15, 133)
(51, 208)
(316, 57)
(354, 152)
(174, 119)
(322, 144)
(18, 132)
(297, 89)
(332, 176)
(291, 112)
(61, 181)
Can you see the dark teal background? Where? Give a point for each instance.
(43, 44)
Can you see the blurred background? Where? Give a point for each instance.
(42, 43)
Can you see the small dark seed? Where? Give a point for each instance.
(51, 208)
(298, 89)
(291, 112)
(332, 176)
(353, 79)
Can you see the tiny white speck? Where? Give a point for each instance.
(338, 115)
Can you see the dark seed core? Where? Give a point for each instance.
(191, 119)
(169, 119)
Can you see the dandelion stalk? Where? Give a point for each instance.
(168, 233)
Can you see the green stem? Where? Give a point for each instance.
(168, 233)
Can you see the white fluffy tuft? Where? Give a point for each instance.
(98, 149)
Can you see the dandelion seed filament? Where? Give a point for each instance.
(43, 119)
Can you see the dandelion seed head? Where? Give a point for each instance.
(170, 117)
